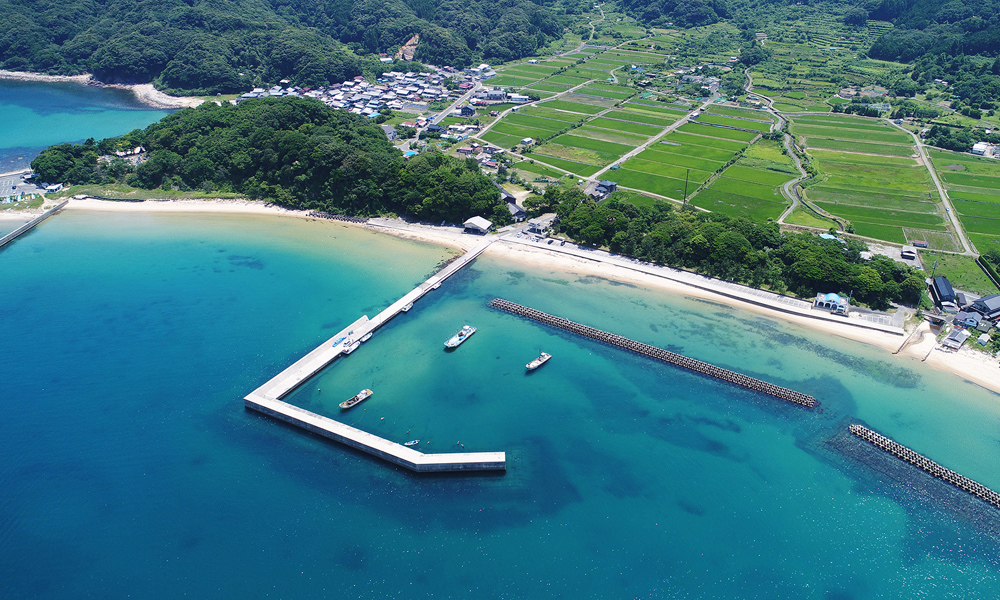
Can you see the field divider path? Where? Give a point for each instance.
(949, 209)
(533, 102)
(660, 354)
(655, 139)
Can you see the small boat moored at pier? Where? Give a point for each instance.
(411, 443)
(366, 337)
(460, 336)
(541, 360)
(351, 347)
(407, 307)
(357, 399)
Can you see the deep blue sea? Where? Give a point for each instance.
(37, 115)
(129, 467)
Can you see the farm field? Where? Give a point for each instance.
(663, 110)
(841, 133)
(741, 138)
(662, 168)
(578, 168)
(716, 137)
(593, 91)
(638, 128)
(973, 184)
(537, 169)
(744, 113)
(639, 117)
(610, 135)
(577, 107)
(734, 122)
(866, 177)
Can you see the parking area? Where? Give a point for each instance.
(11, 186)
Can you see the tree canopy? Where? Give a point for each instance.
(736, 249)
(297, 152)
(222, 46)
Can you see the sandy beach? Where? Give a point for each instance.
(968, 364)
(144, 92)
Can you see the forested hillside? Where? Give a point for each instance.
(297, 152)
(210, 46)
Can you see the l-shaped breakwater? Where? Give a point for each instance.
(922, 462)
(23, 229)
(660, 354)
(267, 399)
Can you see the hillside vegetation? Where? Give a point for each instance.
(296, 152)
(222, 46)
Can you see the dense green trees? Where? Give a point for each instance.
(296, 152)
(685, 13)
(210, 46)
(733, 248)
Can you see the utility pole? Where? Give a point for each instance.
(934, 269)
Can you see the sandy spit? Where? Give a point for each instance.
(144, 92)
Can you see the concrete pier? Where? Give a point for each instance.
(23, 229)
(376, 446)
(658, 353)
(267, 398)
(960, 481)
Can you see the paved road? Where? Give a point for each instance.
(446, 112)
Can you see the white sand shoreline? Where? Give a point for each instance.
(967, 364)
(144, 92)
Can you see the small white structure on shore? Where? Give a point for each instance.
(477, 225)
(835, 303)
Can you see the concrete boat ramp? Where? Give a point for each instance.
(267, 399)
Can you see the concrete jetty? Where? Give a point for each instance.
(918, 460)
(23, 229)
(267, 398)
(376, 446)
(658, 353)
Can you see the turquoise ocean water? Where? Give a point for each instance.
(37, 115)
(129, 467)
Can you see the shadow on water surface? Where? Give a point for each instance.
(482, 501)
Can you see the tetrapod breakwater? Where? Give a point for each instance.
(918, 460)
(660, 354)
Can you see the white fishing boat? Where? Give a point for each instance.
(351, 347)
(358, 398)
(407, 307)
(411, 443)
(460, 336)
(541, 360)
(366, 337)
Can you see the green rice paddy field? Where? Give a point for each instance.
(973, 184)
(866, 178)
(662, 168)
(751, 187)
(734, 122)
